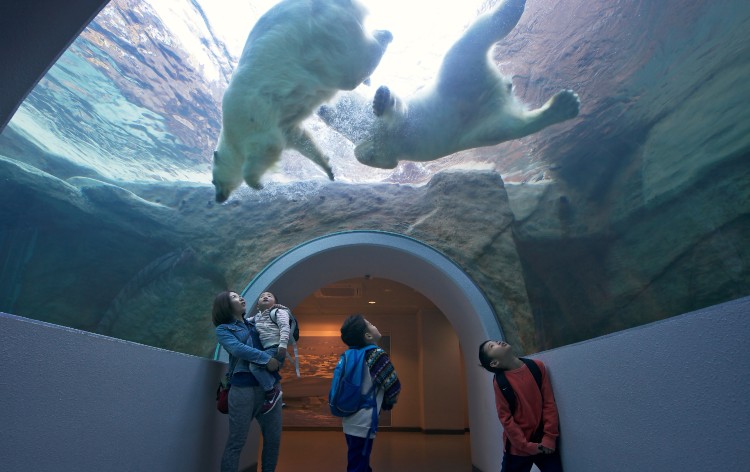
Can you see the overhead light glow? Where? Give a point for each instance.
(421, 33)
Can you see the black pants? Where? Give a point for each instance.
(545, 462)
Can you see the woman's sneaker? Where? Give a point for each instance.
(272, 398)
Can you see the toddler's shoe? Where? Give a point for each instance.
(272, 398)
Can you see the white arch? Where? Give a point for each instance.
(331, 258)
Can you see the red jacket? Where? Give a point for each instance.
(529, 409)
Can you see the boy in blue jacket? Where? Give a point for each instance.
(357, 332)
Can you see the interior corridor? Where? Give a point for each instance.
(393, 452)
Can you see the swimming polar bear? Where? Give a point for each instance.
(470, 104)
(298, 55)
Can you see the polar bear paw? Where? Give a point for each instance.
(383, 101)
(383, 37)
(564, 105)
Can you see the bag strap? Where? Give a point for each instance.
(275, 319)
(506, 390)
(534, 369)
(372, 394)
(537, 373)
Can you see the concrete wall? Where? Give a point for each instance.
(72, 400)
(669, 396)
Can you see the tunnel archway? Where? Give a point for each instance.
(325, 260)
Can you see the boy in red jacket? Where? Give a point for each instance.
(530, 431)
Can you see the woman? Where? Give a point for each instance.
(246, 397)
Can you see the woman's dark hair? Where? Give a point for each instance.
(353, 331)
(484, 358)
(222, 311)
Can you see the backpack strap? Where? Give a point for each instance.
(274, 318)
(535, 371)
(506, 390)
(372, 399)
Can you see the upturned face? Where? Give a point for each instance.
(372, 333)
(499, 352)
(237, 303)
(266, 300)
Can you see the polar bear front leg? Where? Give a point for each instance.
(300, 140)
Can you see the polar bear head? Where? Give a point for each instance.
(226, 175)
(244, 132)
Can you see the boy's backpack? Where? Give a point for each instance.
(345, 397)
(293, 326)
(510, 395)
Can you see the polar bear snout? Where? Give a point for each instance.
(223, 190)
(369, 153)
(221, 196)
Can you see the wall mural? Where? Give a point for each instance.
(306, 398)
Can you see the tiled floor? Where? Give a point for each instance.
(324, 451)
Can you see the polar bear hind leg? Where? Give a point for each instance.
(300, 140)
(564, 105)
(512, 121)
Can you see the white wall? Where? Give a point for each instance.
(442, 377)
(72, 400)
(405, 358)
(669, 396)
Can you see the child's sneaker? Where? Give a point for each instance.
(272, 397)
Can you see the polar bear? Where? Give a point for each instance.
(470, 104)
(297, 56)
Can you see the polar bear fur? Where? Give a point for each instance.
(470, 104)
(297, 56)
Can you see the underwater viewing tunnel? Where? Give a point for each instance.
(605, 231)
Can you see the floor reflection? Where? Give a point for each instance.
(393, 452)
